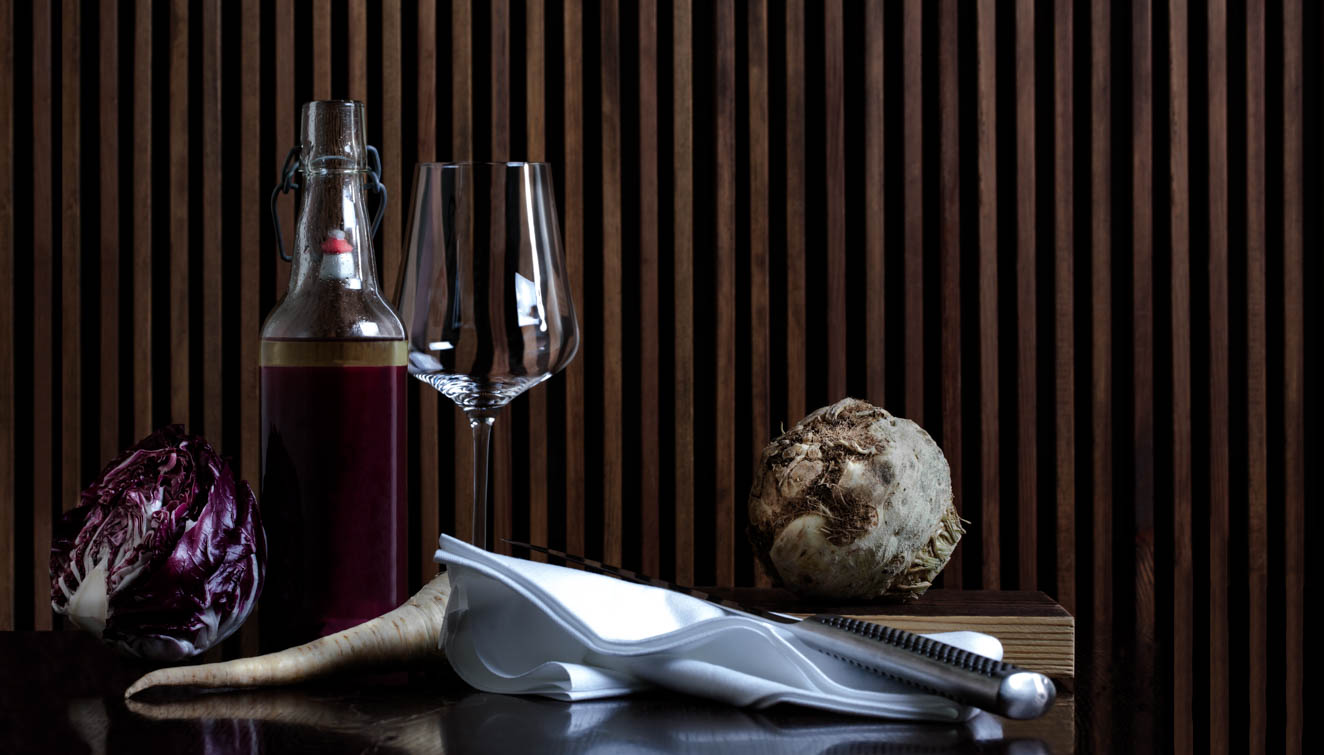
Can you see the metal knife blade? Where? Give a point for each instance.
(921, 662)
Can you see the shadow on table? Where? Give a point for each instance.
(304, 720)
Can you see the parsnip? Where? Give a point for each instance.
(410, 633)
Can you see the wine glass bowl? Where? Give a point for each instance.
(484, 296)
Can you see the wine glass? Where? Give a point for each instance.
(484, 295)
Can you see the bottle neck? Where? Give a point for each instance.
(332, 240)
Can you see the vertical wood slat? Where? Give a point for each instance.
(536, 130)
(875, 200)
(179, 218)
(71, 249)
(393, 163)
(1183, 582)
(989, 439)
(285, 126)
(358, 52)
(1293, 349)
(1064, 306)
(212, 216)
(1257, 405)
(724, 485)
(760, 196)
(649, 347)
(461, 148)
(142, 224)
(1219, 380)
(108, 164)
(429, 462)
(321, 26)
(43, 299)
(573, 45)
(682, 104)
(501, 468)
(613, 472)
(1142, 367)
(1101, 433)
(796, 296)
(913, 137)
(949, 260)
(7, 322)
(834, 94)
(1027, 474)
(250, 266)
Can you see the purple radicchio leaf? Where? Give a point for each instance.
(165, 555)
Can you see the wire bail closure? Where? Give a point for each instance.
(289, 182)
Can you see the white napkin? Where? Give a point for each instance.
(522, 627)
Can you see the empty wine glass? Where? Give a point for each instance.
(484, 295)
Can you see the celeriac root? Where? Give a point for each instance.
(411, 632)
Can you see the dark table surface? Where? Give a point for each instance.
(63, 692)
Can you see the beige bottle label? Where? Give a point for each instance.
(334, 354)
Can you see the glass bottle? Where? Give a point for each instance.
(333, 360)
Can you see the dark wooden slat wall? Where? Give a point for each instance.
(1071, 239)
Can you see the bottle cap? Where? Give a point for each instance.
(336, 244)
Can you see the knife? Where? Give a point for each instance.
(921, 662)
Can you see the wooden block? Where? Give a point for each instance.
(1034, 630)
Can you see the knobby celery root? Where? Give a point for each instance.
(410, 633)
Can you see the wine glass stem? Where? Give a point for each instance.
(481, 424)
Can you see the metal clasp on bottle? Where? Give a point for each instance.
(289, 182)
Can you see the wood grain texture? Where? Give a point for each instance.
(796, 302)
(682, 256)
(250, 188)
(1219, 451)
(213, 222)
(1293, 387)
(990, 495)
(1257, 405)
(393, 160)
(725, 376)
(949, 260)
(44, 491)
(575, 462)
(1179, 314)
(71, 257)
(875, 201)
(1027, 409)
(285, 126)
(535, 124)
(430, 472)
(462, 147)
(834, 94)
(142, 224)
(357, 36)
(649, 374)
(109, 222)
(179, 212)
(1064, 313)
(1101, 383)
(913, 137)
(501, 464)
(1142, 368)
(321, 43)
(760, 199)
(613, 441)
(7, 320)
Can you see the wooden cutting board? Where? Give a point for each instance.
(1036, 632)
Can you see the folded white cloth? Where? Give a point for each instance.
(522, 627)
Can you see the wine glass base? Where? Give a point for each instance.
(477, 394)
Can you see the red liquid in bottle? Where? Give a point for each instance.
(333, 497)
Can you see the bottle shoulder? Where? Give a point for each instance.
(330, 310)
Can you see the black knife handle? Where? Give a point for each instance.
(930, 665)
